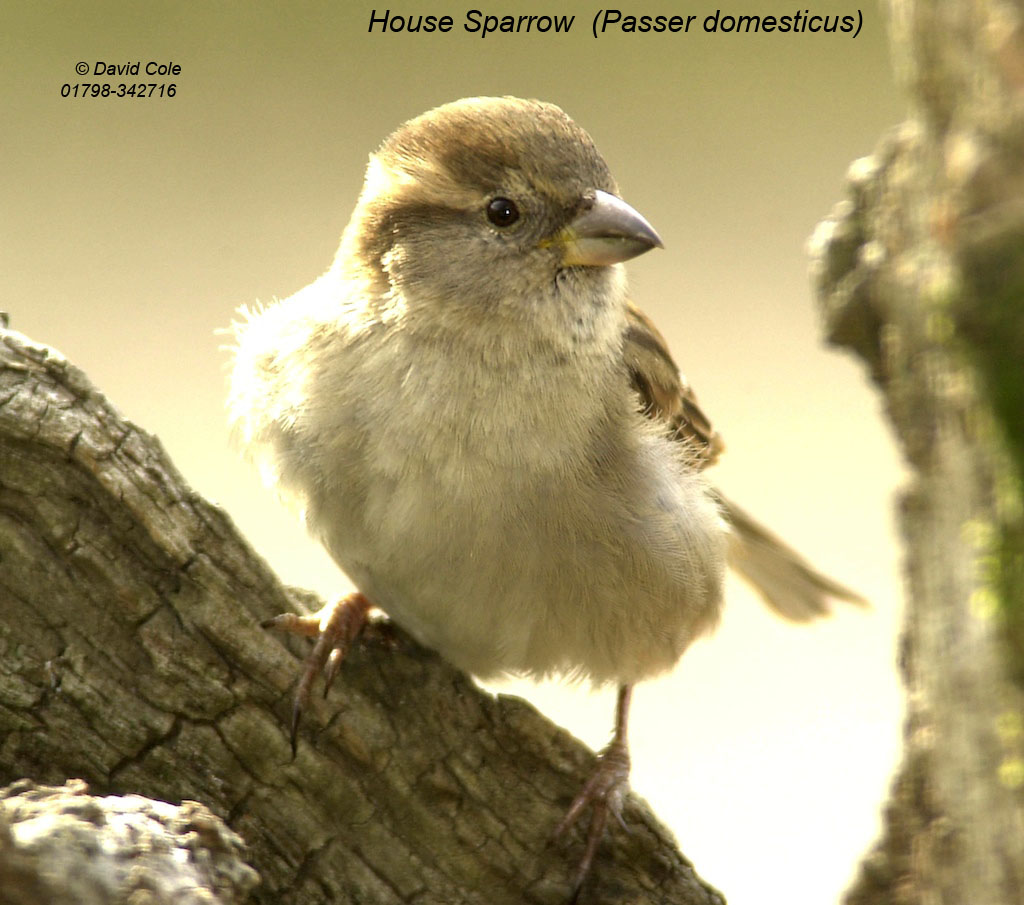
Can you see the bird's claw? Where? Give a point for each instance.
(604, 792)
(334, 627)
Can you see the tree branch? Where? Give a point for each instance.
(133, 659)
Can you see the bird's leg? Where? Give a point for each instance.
(335, 627)
(604, 790)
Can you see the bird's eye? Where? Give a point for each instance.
(502, 212)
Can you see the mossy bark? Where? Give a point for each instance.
(921, 273)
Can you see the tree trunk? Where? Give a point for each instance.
(132, 658)
(921, 273)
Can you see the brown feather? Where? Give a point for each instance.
(787, 582)
(663, 389)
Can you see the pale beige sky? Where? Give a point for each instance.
(133, 228)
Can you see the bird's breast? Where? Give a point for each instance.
(514, 521)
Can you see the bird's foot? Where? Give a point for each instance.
(604, 792)
(334, 627)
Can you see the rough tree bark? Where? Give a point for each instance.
(131, 657)
(921, 273)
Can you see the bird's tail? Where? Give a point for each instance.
(787, 582)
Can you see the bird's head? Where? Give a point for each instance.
(495, 205)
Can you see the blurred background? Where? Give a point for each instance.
(133, 228)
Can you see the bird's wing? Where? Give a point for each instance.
(786, 581)
(664, 391)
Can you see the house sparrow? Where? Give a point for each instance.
(489, 437)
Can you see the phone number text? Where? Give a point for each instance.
(105, 89)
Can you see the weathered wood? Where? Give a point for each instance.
(131, 657)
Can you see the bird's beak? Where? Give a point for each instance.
(605, 231)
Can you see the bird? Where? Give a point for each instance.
(488, 435)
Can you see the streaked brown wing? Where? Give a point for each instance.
(664, 391)
(787, 582)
